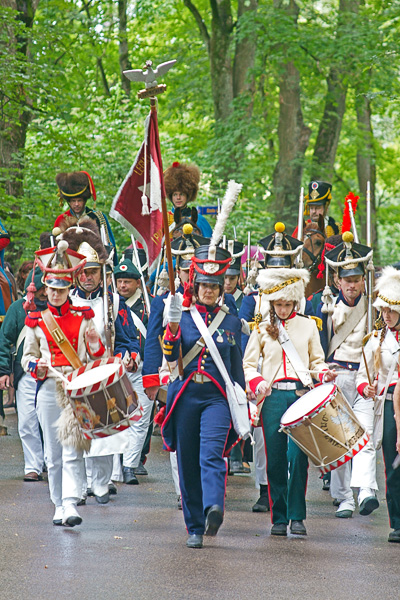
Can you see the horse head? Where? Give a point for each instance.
(314, 241)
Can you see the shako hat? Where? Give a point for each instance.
(60, 265)
(184, 178)
(319, 193)
(184, 246)
(279, 248)
(348, 258)
(236, 250)
(388, 288)
(210, 264)
(126, 270)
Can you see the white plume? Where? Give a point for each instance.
(231, 195)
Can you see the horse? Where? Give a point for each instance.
(314, 241)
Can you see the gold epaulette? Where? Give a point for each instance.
(374, 333)
(317, 320)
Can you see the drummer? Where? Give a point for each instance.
(284, 377)
(89, 292)
(45, 347)
(378, 383)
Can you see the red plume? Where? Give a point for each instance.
(29, 304)
(188, 293)
(176, 164)
(91, 185)
(346, 223)
(321, 266)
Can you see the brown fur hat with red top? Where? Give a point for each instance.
(77, 184)
(184, 178)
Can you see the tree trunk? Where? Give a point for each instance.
(366, 167)
(220, 58)
(335, 100)
(293, 135)
(124, 63)
(14, 120)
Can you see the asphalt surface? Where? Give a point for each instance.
(134, 547)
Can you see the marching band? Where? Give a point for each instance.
(233, 360)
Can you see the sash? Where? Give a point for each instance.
(139, 324)
(293, 356)
(61, 341)
(348, 326)
(199, 345)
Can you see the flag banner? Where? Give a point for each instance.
(137, 204)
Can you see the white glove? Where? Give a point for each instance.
(174, 309)
(245, 327)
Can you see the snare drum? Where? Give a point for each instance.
(324, 426)
(102, 398)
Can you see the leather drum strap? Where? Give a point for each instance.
(59, 337)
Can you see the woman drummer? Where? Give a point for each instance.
(45, 353)
(377, 378)
(198, 421)
(280, 382)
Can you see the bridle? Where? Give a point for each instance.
(315, 258)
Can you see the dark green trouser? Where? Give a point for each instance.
(287, 465)
(392, 475)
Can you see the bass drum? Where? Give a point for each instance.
(323, 424)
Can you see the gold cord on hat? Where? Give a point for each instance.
(280, 286)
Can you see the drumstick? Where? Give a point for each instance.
(58, 374)
(366, 367)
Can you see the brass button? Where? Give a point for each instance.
(202, 368)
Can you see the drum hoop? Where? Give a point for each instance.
(79, 392)
(311, 413)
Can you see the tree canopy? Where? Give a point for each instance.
(269, 92)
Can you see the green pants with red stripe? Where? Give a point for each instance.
(287, 465)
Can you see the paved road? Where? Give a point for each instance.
(134, 547)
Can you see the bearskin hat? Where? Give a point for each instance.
(388, 288)
(74, 185)
(182, 178)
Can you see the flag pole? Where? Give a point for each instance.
(166, 228)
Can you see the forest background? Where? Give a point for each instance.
(273, 93)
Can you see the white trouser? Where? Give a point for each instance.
(363, 474)
(175, 473)
(260, 458)
(116, 474)
(64, 465)
(138, 431)
(28, 425)
(99, 470)
(365, 466)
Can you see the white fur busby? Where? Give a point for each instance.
(388, 288)
(281, 284)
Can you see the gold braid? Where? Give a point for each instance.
(280, 286)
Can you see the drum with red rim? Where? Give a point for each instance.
(102, 398)
(323, 424)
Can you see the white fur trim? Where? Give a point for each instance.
(388, 286)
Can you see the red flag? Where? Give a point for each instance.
(138, 207)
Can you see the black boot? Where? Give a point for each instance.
(262, 504)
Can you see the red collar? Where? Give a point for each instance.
(203, 309)
(59, 311)
(292, 316)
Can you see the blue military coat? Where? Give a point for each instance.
(228, 341)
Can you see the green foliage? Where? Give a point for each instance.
(84, 120)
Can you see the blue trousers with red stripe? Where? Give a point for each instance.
(287, 465)
(201, 424)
